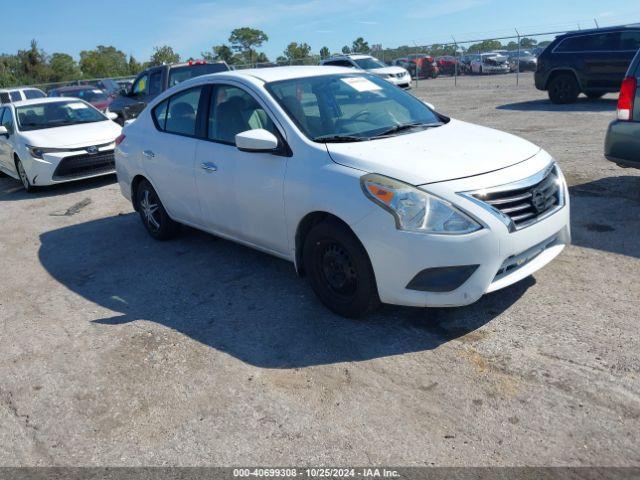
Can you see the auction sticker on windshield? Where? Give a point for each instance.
(361, 84)
(76, 106)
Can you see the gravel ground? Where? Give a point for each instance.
(118, 350)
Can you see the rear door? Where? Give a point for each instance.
(169, 152)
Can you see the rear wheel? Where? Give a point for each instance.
(152, 213)
(563, 89)
(339, 270)
(23, 177)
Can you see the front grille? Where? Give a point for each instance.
(85, 165)
(527, 201)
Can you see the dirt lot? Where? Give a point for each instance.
(118, 350)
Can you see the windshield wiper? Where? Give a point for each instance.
(339, 139)
(406, 126)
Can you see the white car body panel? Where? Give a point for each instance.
(260, 199)
(73, 137)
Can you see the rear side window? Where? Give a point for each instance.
(600, 42)
(178, 113)
(31, 94)
(630, 41)
(4, 97)
(340, 63)
(15, 96)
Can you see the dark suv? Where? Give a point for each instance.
(155, 80)
(592, 62)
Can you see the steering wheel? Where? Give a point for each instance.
(361, 113)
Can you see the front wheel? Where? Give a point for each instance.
(564, 89)
(23, 177)
(339, 270)
(152, 213)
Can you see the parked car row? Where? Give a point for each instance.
(396, 75)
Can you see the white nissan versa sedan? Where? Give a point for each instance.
(53, 140)
(350, 178)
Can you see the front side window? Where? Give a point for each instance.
(15, 96)
(600, 42)
(155, 83)
(178, 114)
(350, 107)
(140, 87)
(232, 111)
(56, 114)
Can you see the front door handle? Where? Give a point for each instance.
(209, 167)
(148, 154)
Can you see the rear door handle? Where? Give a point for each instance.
(209, 167)
(148, 154)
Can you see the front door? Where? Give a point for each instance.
(6, 148)
(241, 193)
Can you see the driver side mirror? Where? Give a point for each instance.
(4, 132)
(258, 140)
(112, 116)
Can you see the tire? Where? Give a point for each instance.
(563, 89)
(595, 95)
(28, 187)
(152, 213)
(339, 270)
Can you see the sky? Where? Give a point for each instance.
(194, 26)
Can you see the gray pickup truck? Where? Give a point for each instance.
(622, 145)
(155, 80)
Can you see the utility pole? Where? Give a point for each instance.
(518, 60)
(455, 57)
(595, 20)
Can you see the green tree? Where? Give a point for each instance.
(63, 68)
(220, 53)
(163, 56)
(360, 46)
(526, 42)
(135, 67)
(104, 62)
(324, 53)
(245, 40)
(297, 51)
(33, 64)
(346, 50)
(486, 46)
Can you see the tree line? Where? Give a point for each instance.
(34, 66)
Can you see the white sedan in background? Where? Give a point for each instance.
(352, 179)
(54, 140)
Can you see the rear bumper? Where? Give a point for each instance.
(622, 143)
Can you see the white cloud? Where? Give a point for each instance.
(441, 8)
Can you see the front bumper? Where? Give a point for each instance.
(495, 69)
(402, 82)
(500, 258)
(69, 166)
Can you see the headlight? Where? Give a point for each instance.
(416, 210)
(38, 152)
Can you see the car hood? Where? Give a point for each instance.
(387, 70)
(455, 150)
(72, 136)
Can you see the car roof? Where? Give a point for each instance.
(39, 101)
(281, 73)
(633, 26)
(18, 89)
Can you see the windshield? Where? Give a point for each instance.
(369, 63)
(352, 107)
(91, 96)
(56, 114)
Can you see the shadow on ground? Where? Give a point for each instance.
(11, 189)
(237, 300)
(605, 215)
(582, 105)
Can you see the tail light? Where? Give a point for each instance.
(120, 139)
(626, 98)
